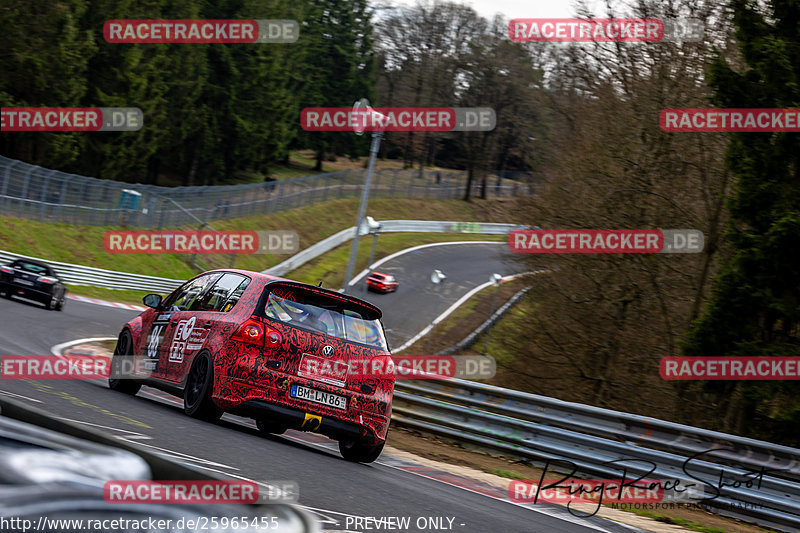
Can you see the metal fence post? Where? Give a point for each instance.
(42, 199)
(24, 192)
(62, 196)
(4, 192)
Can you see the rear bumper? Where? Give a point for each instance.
(295, 418)
(366, 417)
(380, 288)
(26, 291)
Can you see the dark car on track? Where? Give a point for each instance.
(33, 280)
(380, 282)
(287, 354)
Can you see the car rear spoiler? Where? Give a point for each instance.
(366, 309)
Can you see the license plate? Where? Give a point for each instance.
(320, 397)
(23, 282)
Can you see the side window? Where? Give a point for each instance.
(216, 298)
(183, 298)
(235, 295)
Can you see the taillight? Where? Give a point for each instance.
(273, 339)
(255, 332)
(47, 279)
(7, 270)
(251, 332)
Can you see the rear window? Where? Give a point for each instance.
(320, 313)
(30, 267)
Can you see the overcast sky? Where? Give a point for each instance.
(518, 8)
(513, 9)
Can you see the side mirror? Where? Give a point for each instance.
(152, 300)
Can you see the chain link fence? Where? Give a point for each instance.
(29, 191)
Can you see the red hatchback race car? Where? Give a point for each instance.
(380, 282)
(286, 354)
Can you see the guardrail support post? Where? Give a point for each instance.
(4, 192)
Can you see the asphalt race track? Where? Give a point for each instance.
(417, 300)
(331, 488)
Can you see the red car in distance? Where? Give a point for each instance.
(380, 282)
(281, 352)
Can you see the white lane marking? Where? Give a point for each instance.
(188, 460)
(184, 457)
(6, 393)
(59, 348)
(131, 434)
(455, 306)
(389, 257)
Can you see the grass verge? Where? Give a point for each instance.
(84, 244)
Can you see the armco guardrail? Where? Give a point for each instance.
(98, 277)
(389, 226)
(595, 440)
(110, 279)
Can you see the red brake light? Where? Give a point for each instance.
(255, 332)
(273, 338)
(7, 270)
(251, 332)
(47, 279)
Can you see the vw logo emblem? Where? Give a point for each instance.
(327, 351)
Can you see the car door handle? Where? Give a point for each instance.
(208, 324)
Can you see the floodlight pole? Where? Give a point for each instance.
(373, 154)
(375, 232)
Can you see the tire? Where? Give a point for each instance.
(124, 348)
(360, 453)
(268, 427)
(197, 401)
(61, 302)
(51, 303)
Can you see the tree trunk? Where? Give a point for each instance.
(319, 158)
(470, 176)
